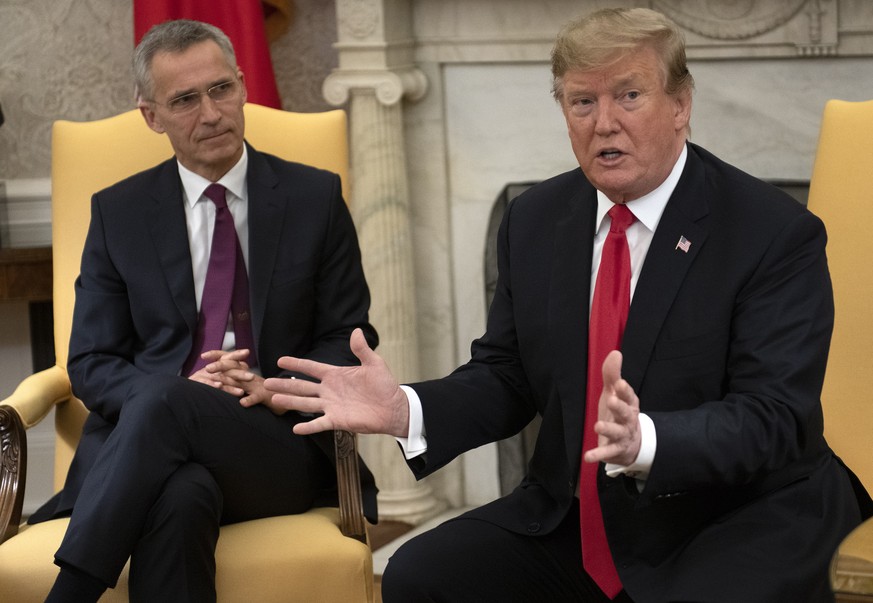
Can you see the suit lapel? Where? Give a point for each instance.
(167, 224)
(665, 268)
(267, 207)
(568, 310)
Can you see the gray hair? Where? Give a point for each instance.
(173, 36)
(605, 36)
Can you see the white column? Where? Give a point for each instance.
(374, 87)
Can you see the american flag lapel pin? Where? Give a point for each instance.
(683, 244)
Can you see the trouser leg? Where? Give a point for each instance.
(174, 559)
(259, 465)
(473, 560)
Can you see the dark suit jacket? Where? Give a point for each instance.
(136, 313)
(726, 346)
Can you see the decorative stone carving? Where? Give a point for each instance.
(758, 27)
(358, 18)
(389, 86)
(729, 20)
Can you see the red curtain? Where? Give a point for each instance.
(246, 23)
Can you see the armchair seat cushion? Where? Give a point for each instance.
(262, 552)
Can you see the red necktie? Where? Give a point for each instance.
(609, 310)
(226, 288)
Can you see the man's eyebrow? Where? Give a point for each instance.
(186, 91)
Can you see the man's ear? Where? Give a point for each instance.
(683, 109)
(242, 82)
(150, 118)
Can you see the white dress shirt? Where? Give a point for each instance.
(647, 210)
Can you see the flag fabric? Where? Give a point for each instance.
(246, 22)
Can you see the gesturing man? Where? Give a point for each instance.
(668, 316)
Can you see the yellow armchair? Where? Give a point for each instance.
(841, 194)
(321, 555)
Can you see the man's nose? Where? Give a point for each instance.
(209, 111)
(606, 118)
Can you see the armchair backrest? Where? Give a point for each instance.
(89, 156)
(841, 194)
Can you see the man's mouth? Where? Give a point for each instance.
(212, 135)
(610, 154)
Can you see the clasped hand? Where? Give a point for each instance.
(229, 372)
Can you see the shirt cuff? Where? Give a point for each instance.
(415, 444)
(642, 465)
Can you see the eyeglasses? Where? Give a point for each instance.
(186, 103)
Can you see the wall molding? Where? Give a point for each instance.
(25, 212)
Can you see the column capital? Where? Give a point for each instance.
(390, 85)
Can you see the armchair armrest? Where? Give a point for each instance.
(34, 397)
(28, 405)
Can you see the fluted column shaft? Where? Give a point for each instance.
(381, 213)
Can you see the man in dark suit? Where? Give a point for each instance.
(182, 436)
(711, 477)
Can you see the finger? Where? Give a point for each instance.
(226, 363)
(620, 410)
(627, 394)
(596, 455)
(316, 425)
(233, 390)
(311, 368)
(613, 431)
(298, 403)
(240, 376)
(292, 386)
(212, 355)
(252, 399)
(609, 453)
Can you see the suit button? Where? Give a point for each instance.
(533, 527)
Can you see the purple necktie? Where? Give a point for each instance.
(226, 289)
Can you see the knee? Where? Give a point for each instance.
(155, 398)
(412, 574)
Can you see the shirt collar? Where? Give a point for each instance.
(234, 180)
(648, 208)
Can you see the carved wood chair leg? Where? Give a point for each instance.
(13, 471)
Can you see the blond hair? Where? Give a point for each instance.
(604, 37)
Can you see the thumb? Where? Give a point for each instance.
(360, 348)
(612, 369)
